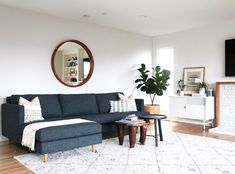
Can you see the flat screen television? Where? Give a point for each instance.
(230, 57)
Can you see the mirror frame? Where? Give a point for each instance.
(89, 55)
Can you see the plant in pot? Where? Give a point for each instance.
(181, 87)
(203, 87)
(153, 85)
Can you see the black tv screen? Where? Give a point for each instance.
(230, 57)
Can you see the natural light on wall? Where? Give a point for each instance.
(165, 58)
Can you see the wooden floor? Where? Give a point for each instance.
(8, 165)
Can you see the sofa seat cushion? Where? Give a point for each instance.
(49, 103)
(110, 117)
(21, 127)
(67, 131)
(103, 101)
(78, 104)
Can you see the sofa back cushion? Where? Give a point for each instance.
(78, 104)
(103, 101)
(49, 103)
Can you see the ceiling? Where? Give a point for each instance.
(147, 17)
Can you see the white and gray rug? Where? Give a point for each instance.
(177, 154)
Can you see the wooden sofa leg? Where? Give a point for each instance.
(93, 148)
(45, 158)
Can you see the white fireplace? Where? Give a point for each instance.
(225, 108)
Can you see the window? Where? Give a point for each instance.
(165, 58)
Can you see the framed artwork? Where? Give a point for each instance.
(192, 76)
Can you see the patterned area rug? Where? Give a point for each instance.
(177, 154)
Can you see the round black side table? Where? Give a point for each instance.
(157, 123)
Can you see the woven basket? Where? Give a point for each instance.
(152, 109)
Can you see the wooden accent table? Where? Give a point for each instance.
(132, 126)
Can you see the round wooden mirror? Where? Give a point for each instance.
(72, 63)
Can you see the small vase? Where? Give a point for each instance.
(202, 91)
(181, 93)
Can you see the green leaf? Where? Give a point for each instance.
(139, 85)
(143, 88)
(138, 80)
(157, 69)
(143, 66)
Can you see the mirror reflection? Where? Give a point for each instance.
(72, 63)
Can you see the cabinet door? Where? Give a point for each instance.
(195, 112)
(177, 106)
(195, 108)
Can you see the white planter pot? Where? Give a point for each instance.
(181, 93)
(202, 91)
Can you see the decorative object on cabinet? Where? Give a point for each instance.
(209, 92)
(192, 76)
(72, 63)
(154, 85)
(203, 87)
(181, 87)
(192, 109)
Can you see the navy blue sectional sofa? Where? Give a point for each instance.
(94, 107)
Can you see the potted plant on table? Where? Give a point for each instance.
(203, 87)
(153, 85)
(181, 86)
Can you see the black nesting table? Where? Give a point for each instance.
(157, 123)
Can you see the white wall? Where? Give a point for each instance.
(200, 47)
(27, 41)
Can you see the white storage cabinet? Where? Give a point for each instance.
(192, 108)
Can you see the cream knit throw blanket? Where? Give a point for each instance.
(30, 130)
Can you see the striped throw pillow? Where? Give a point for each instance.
(118, 106)
(130, 102)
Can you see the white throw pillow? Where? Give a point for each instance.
(32, 109)
(130, 102)
(118, 106)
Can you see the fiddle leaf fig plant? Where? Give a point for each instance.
(155, 84)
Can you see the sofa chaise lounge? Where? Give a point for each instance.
(94, 107)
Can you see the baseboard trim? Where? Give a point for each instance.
(220, 130)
